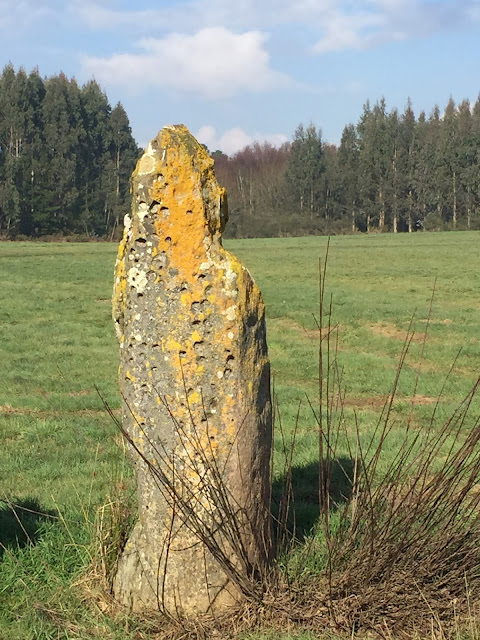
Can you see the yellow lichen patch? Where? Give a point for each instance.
(196, 337)
(120, 284)
(173, 345)
(194, 398)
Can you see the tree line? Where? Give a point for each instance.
(391, 172)
(65, 157)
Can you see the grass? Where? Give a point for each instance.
(62, 457)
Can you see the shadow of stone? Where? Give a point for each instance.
(20, 523)
(304, 509)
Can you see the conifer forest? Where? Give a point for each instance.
(66, 157)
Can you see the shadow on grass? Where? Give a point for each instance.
(304, 509)
(20, 523)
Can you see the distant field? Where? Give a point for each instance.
(60, 452)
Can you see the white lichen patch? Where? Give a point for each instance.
(142, 210)
(230, 335)
(230, 312)
(231, 275)
(137, 279)
(147, 164)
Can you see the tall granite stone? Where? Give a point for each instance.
(194, 375)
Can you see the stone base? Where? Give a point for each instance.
(140, 583)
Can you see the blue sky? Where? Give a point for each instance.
(235, 71)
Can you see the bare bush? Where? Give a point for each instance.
(397, 552)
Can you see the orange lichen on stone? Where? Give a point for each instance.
(191, 321)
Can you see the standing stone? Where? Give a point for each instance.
(194, 375)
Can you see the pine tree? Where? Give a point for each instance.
(331, 184)
(124, 153)
(305, 168)
(95, 157)
(348, 164)
(31, 162)
(11, 144)
(383, 154)
(449, 163)
(436, 165)
(372, 164)
(475, 173)
(63, 132)
(407, 166)
(466, 153)
(422, 167)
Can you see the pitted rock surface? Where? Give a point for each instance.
(194, 373)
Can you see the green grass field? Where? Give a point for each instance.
(62, 456)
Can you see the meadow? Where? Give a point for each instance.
(62, 458)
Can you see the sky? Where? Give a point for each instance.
(239, 71)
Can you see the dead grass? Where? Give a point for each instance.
(389, 330)
(378, 402)
(7, 409)
(446, 321)
(299, 330)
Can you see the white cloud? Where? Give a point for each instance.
(21, 14)
(347, 32)
(340, 24)
(185, 15)
(235, 139)
(214, 63)
(98, 17)
(379, 21)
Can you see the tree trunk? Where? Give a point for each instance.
(250, 195)
(469, 209)
(32, 186)
(395, 202)
(395, 214)
(381, 221)
(241, 189)
(454, 181)
(410, 207)
(117, 166)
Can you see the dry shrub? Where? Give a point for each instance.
(401, 548)
(407, 546)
